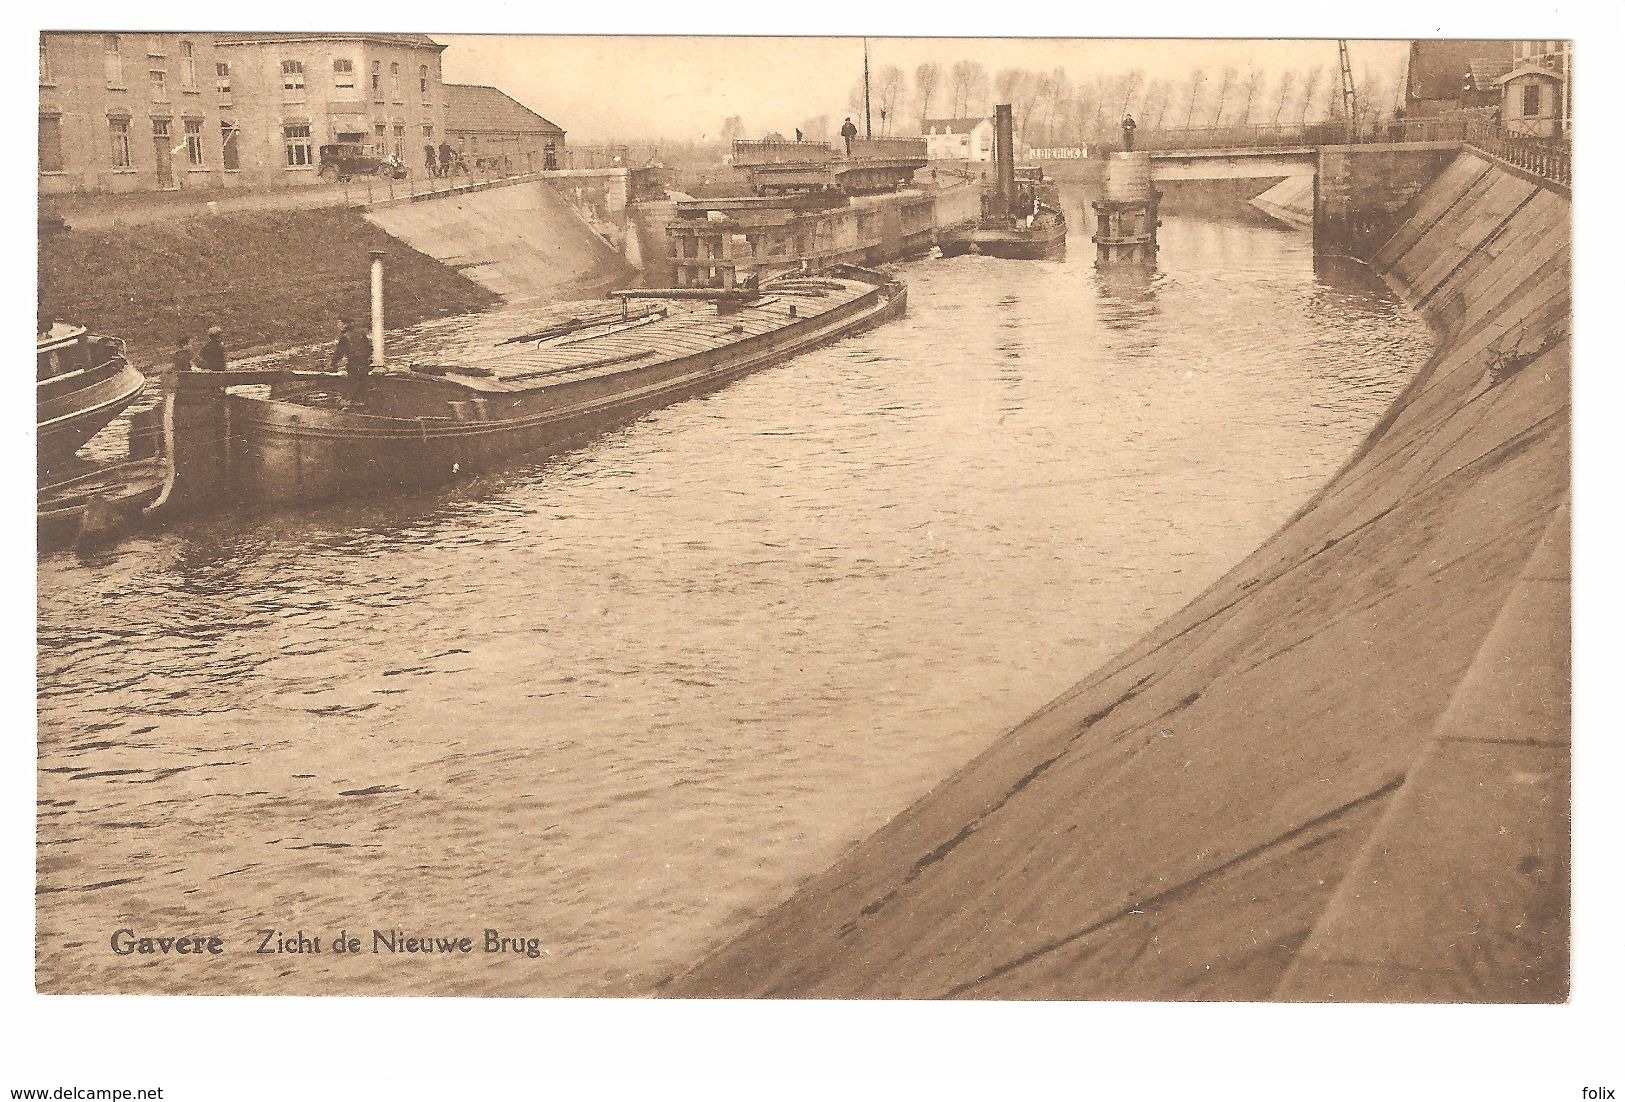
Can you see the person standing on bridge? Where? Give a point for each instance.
(849, 130)
(1128, 133)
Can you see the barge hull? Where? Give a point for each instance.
(233, 450)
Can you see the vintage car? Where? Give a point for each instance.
(343, 160)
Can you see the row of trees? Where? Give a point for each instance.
(1053, 109)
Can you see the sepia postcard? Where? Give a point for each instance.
(701, 517)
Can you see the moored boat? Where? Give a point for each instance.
(301, 437)
(108, 497)
(82, 382)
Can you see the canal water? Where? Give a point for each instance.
(613, 705)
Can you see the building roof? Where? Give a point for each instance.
(1438, 65)
(479, 108)
(953, 126)
(1486, 72)
(245, 38)
(1530, 68)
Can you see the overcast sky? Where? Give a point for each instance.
(599, 88)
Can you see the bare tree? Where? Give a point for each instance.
(1156, 102)
(1130, 88)
(1310, 83)
(1227, 78)
(1283, 90)
(1197, 77)
(890, 87)
(967, 82)
(1255, 81)
(926, 79)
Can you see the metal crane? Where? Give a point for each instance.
(1350, 108)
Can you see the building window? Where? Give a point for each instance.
(222, 78)
(50, 143)
(160, 90)
(228, 146)
(296, 138)
(155, 45)
(188, 66)
(379, 135)
(293, 76)
(395, 81)
(377, 78)
(400, 142)
(194, 142)
(428, 132)
(44, 62)
(423, 79)
(1531, 100)
(119, 131)
(343, 73)
(112, 61)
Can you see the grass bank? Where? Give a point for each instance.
(269, 279)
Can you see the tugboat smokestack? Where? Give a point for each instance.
(377, 307)
(1004, 152)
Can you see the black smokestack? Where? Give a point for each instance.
(1004, 155)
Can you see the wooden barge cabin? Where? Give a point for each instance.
(808, 208)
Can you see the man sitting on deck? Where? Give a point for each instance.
(212, 357)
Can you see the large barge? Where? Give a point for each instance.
(289, 438)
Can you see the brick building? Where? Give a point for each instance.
(486, 124)
(281, 97)
(127, 112)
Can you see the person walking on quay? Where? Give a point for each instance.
(212, 357)
(445, 158)
(1128, 133)
(849, 130)
(354, 349)
(429, 159)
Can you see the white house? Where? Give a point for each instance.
(960, 139)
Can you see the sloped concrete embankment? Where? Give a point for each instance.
(521, 241)
(1340, 773)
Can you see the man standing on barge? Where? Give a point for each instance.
(354, 350)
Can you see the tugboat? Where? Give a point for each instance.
(1017, 222)
(82, 382)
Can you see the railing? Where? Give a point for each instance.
(595, 156)
(1236, 137)
(1550, 158)
(774, 151)
(888, 149)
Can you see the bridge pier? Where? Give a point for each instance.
(1126, 218)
